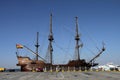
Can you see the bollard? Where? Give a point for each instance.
(51, 69)
(74, 69)
(96, 70)
(79, 69)
(45, 69)
(33, 70)
(62, 69)
(57, 69)
(68, 69)
(85, 69)
(91, 69)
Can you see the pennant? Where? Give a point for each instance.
(19, 46)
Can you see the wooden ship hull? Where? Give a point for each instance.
(28, 64)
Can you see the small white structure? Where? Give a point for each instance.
(108, 67)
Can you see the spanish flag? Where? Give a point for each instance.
(19, 46)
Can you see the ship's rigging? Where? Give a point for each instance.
(28, 64)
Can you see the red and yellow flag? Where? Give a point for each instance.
(19, 46)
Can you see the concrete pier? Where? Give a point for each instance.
(60, 75)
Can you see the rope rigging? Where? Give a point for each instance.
(63, 49)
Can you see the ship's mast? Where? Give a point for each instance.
(77, 38)
(50, 38)
(37, 46)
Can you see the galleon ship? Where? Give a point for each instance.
(28, 64)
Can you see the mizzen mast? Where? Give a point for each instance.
(50, 38)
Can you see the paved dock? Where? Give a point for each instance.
(59, 75)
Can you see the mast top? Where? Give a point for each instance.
(77, 37)
(37, 43)
(51, 34)
(51, 23)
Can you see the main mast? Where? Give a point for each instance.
(50, 38)
(77, 38)
(37, 46)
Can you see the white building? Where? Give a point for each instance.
(109, 67)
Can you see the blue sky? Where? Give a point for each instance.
(99, 20)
